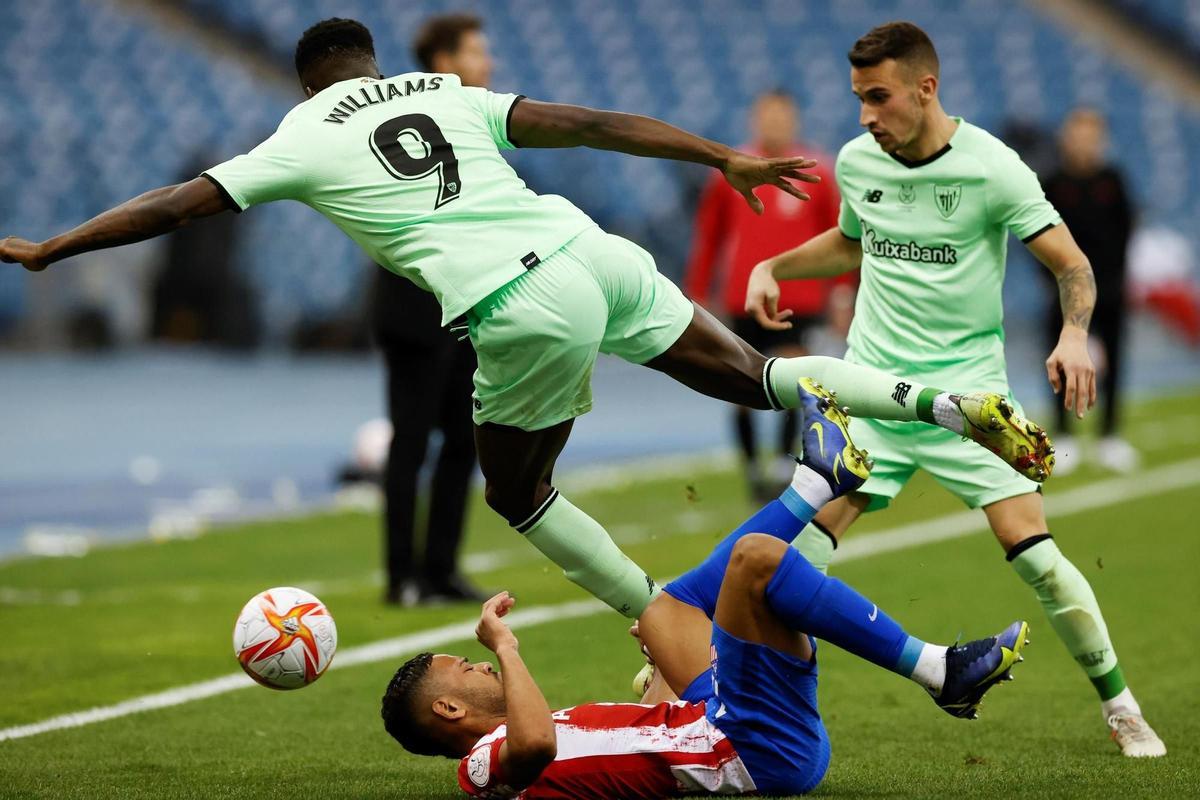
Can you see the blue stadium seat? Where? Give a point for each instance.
(111, 105)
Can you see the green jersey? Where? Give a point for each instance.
(409, 167)
(934, 235)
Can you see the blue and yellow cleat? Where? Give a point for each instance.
(990, 420)
(975, 667)
(825, 435)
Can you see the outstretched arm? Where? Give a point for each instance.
(537, 124)
(152, 214)
(824, 256)
(1069, 367)
(531, 744)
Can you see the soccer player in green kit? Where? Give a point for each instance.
(410, 168)
(928, 201)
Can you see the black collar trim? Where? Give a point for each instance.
(923, 161)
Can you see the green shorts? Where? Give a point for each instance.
(536, 337)
(966, 470)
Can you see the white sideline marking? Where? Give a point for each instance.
(1112, 491)
(1107, 492)
(364, 654)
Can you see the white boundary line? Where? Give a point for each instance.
(1108, 492)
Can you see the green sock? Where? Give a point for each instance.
(816, 546)
(1071, 606)
(588, 556)
(865, 390)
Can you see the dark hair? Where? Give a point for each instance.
(442, 35)
(400, 712)
(333, 38)
(902, 41)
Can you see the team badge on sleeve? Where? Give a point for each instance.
(479, 766)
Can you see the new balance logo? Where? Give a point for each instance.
(900, 395)
(872, 195)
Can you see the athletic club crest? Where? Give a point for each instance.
(946, 198)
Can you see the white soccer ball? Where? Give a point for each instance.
(284, 638)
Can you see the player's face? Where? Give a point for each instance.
(476, 683)
(774, 124)
(1084, 139)
(472, 61)
(891, 103)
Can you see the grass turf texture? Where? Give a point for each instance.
(131, 620)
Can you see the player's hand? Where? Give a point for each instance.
(745, 173)
(762, 299)
(491, 631)
(1071, 371)
(20, 251)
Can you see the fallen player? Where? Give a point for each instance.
(732, 704)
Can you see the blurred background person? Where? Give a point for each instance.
(1090, 194)
(729, 239)
(1163, 280)
(428, 383)
(198, 294)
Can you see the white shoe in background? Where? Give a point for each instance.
(1117, 454)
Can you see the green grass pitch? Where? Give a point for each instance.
(131, 620)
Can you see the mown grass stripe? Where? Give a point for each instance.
(1108, 492)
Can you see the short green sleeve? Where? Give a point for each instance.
(497, 112)
(1016, 200)
(271, 171)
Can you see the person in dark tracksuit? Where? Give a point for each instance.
(1091, 196)
(428, 383)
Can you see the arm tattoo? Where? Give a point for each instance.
(1077, 294)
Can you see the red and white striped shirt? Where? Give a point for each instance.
(625, 750)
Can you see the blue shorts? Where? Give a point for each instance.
(765, 702)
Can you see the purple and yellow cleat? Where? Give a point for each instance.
(825, 435)
(975, 667)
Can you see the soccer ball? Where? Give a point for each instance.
(284, 638)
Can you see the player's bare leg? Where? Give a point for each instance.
(677, 634)
(742, 608)
(518, 466)
(1019, 524)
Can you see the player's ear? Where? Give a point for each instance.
(928, 88)
(448, 707)
(308, 91)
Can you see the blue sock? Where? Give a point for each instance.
(830, 610)
(783, 518)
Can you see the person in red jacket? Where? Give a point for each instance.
(730, 239)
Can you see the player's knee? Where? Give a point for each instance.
(756, 557)
(512, 501)
(504, 501)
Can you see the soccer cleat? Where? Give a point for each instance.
(975, 667)
(1134, 735)
(825, 436)
(991, 421)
